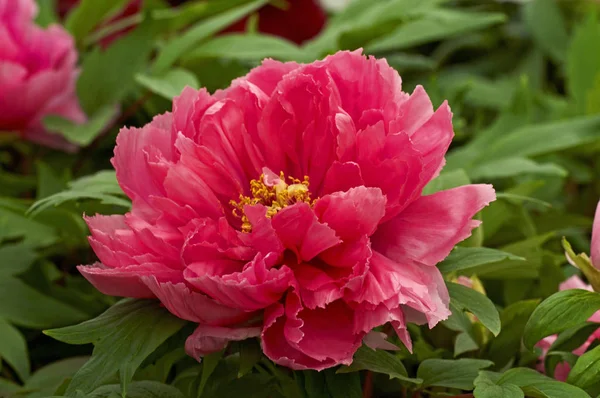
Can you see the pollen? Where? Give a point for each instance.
(275, 197)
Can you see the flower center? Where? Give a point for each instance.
(274, 193)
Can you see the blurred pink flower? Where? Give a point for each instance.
(561, 372)
(291, 202)
(37, 74)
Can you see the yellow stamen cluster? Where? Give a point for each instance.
(274, 197)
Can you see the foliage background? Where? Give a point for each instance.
(523, 81)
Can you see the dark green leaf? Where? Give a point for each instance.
(485, 387)
(346, 385)
(559, 312)
(22, 305)
(13, 349)
(138, 389)
(250, 354)
(459, 373)
(378, 361)
(529, 378)
(15, 259)
(476, 303)
(463, 258)
(46, 380)
(123, 337)
(89, 13)
(209, 364)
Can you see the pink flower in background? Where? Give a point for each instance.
(289, 207)
(37, 74)
(561, 372)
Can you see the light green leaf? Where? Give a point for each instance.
(181, 44)
(89, 13)
(462, 258)
(583, 60)
(476, 303)
(547, 25)
(13, 349)
(123, 337)
(447, 180)
(459, 373)
(82, 134)
(559, 312)
(252, 48)
(485, 387)
(171, 84)
(22, 305)
(586, 370)
(436, 25)
(512, 167)
(378, 361)
(47, 14)
(107, 76)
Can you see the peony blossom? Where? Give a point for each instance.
(561, 372)
(289, 207)
(301, 21)
(37, 74)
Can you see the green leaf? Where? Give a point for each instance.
(436, 25)
(346, 385)
(583, 61)
(107, 76)
(539, 139)
(13, 349)
(47, 14)
(82, 134)
(559, 312)
(378, 361)
(46, 380)
(250, 354)
(508, 342)
(171, 84)
(180, 45)
(22, 305)
(15, 259)
(253, 48)
(530, 379)
(209, 364)
(586, 370)
(485, 387)
(89, 13)
(477, 304)
(138, 389)
(102, 186)
(459, 373)
(462, 258)
(447, 180)
(123, 337)
(547, 25)
(514, 166)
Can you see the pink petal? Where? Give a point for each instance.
(126, 281)
(378, 340)
(208, 339)
(428, 229)
(269, 74)
(192, 306)
(346, 212)
(595, 247)
(300, 231)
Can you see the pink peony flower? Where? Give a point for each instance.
(561, 372)
(37, 74)
(289, 206)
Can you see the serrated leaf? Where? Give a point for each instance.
(459, 373)
(462, 258)
(477, 304)
(559, 312)
(123, 337)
